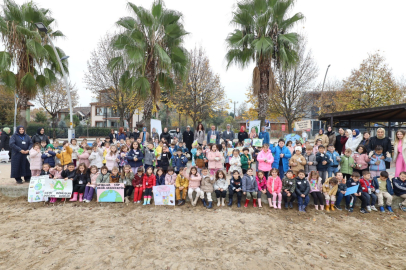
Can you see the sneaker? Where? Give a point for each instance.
(368, 208)
(373, 208)
(364, 211)
(286, 205)
(291, 205)
(351, 210)
(382, 209)
(402, 207)
(339, 208)
(304, 209)
(347, 207)
(87, 201)
(389, 208)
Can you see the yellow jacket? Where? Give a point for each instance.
(65, 156)
(328, 190)
(181, 181)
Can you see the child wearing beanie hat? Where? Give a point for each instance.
(297, 161)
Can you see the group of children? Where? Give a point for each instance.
(140, 167)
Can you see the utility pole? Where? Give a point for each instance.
(235, 102)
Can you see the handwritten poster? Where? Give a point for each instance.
(257, 142)
(58, 188)
(164, 195)
(111, 192)
(36, 188)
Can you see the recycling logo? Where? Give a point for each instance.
(58, 186)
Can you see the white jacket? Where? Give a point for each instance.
(353, 143)
(235, 164)
(96, 158)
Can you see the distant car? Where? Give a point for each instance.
(172, 133)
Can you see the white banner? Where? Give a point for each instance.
(36, 188)
(254, 124)
(58, 188)
(157, 125)
(303, 125)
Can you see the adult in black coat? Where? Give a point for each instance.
(188, 137)
(5, 141)
(20, 143)
(112, 135)
(242, 135)
(338, 145)
(382, 140)
(165, 134)
(40, 136)
(136, 133)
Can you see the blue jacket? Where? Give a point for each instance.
(160, 180)
(184, 150)
(213, 133)
(130, 158)
(265, 136)
(381, 166)
(320, 159)
(375, 184)
(333, 156)
(121, 136)
(276, 151)
(49, 159)
(178, 162)
(399, 187)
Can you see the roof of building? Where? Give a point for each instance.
(278, 120)
(30, 104)
(82, 110)
(392, 113)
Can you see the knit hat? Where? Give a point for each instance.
(298, 148)
(6, 129)
(49, 146)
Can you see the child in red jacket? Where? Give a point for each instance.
(148, 181)
(368, 190)
(137, 184)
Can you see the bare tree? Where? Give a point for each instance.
(115, 83)
(290, 98)
(53, 98)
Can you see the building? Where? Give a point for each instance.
(83, 113)
(103, 115)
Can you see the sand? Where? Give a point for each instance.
(117, 236)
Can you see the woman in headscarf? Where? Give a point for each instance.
(264, 135)
(323, 137)
(331, 135)
(242, 135)
(399, 155)
(382, 140)
(20, 143)
(354, 140)
(345, 138)
(40, 136)
(338, 144)
(5, 141)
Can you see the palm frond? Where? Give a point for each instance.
(5, 60)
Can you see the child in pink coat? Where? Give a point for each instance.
(35, 160)
(261, 181)
(84, 157)
(361, 159)
(215, 160)
(265, 160)
(274, 186)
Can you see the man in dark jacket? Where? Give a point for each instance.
(40, 136)
(188, 137)
(228, 135)
(136, 133)
(399, 188)
(213, 136)
(5, 141)
(20, 143)
(165, 135)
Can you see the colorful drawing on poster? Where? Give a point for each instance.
(247, 142)
(58, 188)
(255, 124)
(112, 192)
(36, 189)
(257, 142)
(164, 195)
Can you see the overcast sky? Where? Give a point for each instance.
(340, 33)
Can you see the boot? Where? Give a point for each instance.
(149, 201)
(254, 202)
(274, 204)
(280, 205)
(80, 197)
(300, 208)
(210, 206)
(145, 201)
(259, 203)
(246, 203)
(327, 208)
(222, 201)
(239, 203)
(218, 201)
(75, 197)
(270, 203)
(204, 202)
(126, 200)
(332, 206)
(317, 207)
(62, 200)
(182, 202)
(230, 201)
(321, 207)
(179, 202)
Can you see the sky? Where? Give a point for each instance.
(340, 33)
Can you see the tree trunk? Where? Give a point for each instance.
(148, 105)
(290, 122)
(263, 95)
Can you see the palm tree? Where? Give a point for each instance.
(152, 42)
(27, 52)
(262, 36)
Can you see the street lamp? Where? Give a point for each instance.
(42, 28)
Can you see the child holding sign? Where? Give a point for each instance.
(148, 181)
(126, 178)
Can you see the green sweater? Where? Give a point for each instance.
(346, 164)
(244, 161)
